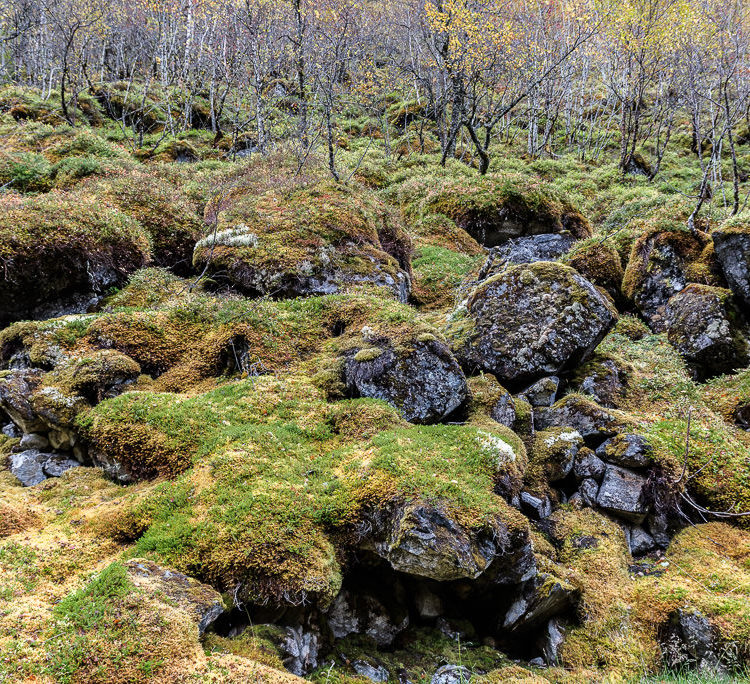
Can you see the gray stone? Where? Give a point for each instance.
(535, 507)
(658, 527)
(588, 465)
(301, 649)
(540, 599)
(622, 494)
(27, 467)
(374, 673)
(57, 464)
(451, 674)
(640, 541)
(34, 440)
(357, 613)
(425, 383)
(690, 641)
(588, 491)
(604, 382)
(591, 420)
(732, 249)
(10, 430)
(504, 410)
(627, 450)
(533, 320)
(704, 325)
(551, 641)
(424, 541)
(555, 449)
(543, 392)
(16, 389)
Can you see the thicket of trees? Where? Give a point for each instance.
(571, 75)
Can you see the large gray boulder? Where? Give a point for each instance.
(27, 467)
(704, 325)
(732, 249)
(422, 380)
(531, 321)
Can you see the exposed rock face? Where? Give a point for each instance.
(301, 649)
(661, 265)
(708, 331)
(534, 320)
(423, 541)
(504, 410)
(551, 641)
(360, 613)
(16, 389)
(622, 493)
(375, 673)
(732, 248)
(588, 465)
(627, 450)
(424, 382)
(526, 250)
(200, 601)
(690, 641)
(541, 598)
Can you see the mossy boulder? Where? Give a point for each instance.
(599, 262)
(580, 413)
(732, 246)
(420, 377)
(661, 264)
(63, 250)
(708, 330)
(317, 239)
(493, 209)
(171, 222)
(531, 321)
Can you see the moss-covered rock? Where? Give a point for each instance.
(310, 240)
(599, 262)
(705, 326)
(732, 246)
(661, 264)
(57, 249)
(493, 209)
(170, 221)
(530, 321)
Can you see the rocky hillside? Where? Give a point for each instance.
(417, 425)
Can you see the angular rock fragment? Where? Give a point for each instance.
(541, 598)
(622, 493)
(358, 613)
(588, 465)
(424, 541)
(451, 674)
(27, 467)
(504, 410)
(554, 450)
(533, 320)
(551, 641)
(375, 673)
(57, 464)
(591, 421)
(640, 541)
(536, 507)
(732, 248)
(690, 641)
(200, 601)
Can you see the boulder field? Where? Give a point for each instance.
(301, 453)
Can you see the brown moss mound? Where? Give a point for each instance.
(60, 246)
(311, 240)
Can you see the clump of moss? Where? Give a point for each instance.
(488, 207)
(599, 262)
(171, 222)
